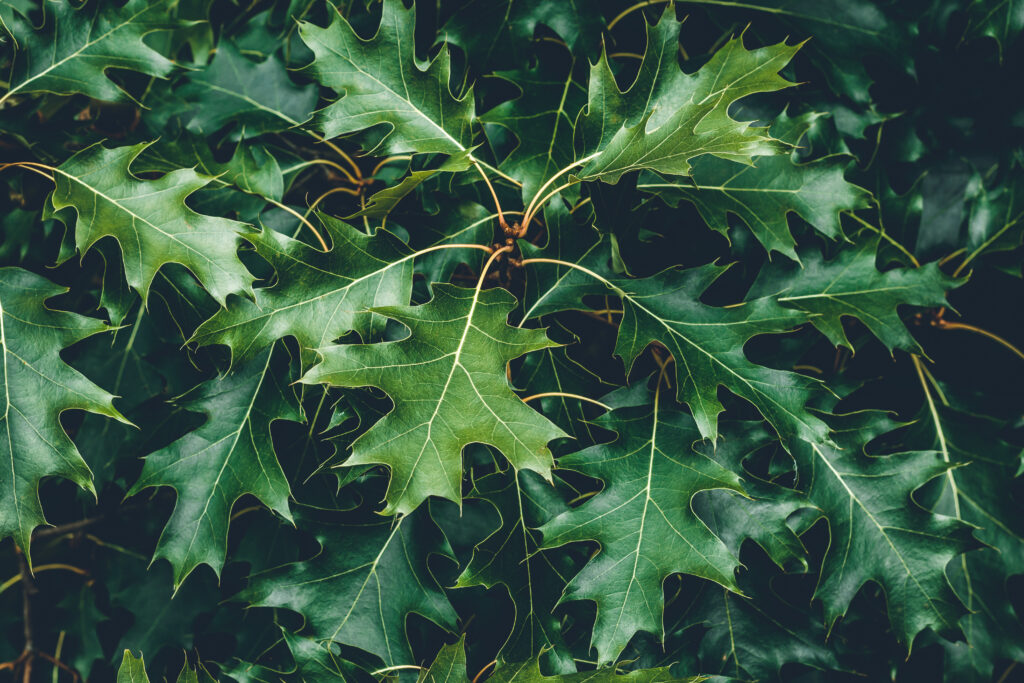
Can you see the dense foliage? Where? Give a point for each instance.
(511, 339)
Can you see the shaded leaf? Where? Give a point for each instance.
(38, 388)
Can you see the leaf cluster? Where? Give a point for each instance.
(566, 342)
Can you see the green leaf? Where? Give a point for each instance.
(543, 119)
(314, 662)
(382, 83)
(384, 202)
(317, 297)
(764, 193)
(996, 221)
(450, 667)
(553, 371)
(150, 220)
(38, 388)
(666, 118)
(979, 491)
(850, 285)
(231, 455)
(75, 46)
(448, 383)
(643, 519)
(706, 342)
(878, 533)
(362, 586)
(253, 97)
(754, 637)
(761, 515)
(511, 556)
(133, 670)
(1001, 20)
(498, 33)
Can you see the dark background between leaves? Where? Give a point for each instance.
(942, 109)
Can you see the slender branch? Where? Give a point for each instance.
(340, 152)
(570, 264)
(18, 578)
(388, 160)
(302, 219)
(949, 257)
(52, 659)
(629, 10)
(483, 272)
(581, 204)
(886, 237)
(530, 210)
(30, 166)
(984, 245)
(484, 670)
(542, 202)
(397, 667)
(547, 394)
(327, 162)
(29, 589)
(495, 171)
(946, 325)
(325, 195)
(494, 195)
(919, 367)
(66, 528)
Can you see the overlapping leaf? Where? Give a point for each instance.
(75, 46)
(850, 285)
(231, 455)
(362, 586)
(764, 193)
(380, 82)
(666, 117)
(317, 296)
(448, 382)
(254, 97)
(149, 220)
(979, 492)
(511, 556)
(38, 387)
(450, 667)
(707, 342)
(878, 533)
(643, 520)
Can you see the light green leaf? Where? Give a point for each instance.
(382, 83)
(666, 117)
(149, 220)
(317, 296)
(764, 193)
(850, 285)
(449, 386)
(37, 388)
(132, 670)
